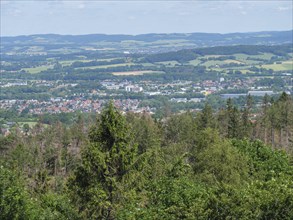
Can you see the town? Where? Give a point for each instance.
(93, 100)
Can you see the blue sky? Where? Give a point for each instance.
(137, 17)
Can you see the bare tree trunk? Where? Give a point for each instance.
(287, 137)
(265, 136)
(281, 137)
(272, 137)
(55, 170)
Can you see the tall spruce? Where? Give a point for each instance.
(101, 181)
(206, 118)
(285, 118)
(233, 120)
(264, 118)
(245, 120)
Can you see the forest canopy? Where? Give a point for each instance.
(208, 165)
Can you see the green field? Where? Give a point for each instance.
(69, 62)
(168, 63)
(265, 56)
(286, 65)
(147, 64)
(135, 73)
(210, 63)
(195, 62)
(243, 57)
(177, 42)
(106, 66)
(37, 69)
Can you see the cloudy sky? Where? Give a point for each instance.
(21, 17)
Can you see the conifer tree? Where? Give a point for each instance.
(285, 115)
(245, 122)
(100, 182)
(265, 120)
(206, 118)
(233, 120)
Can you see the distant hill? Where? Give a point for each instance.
(190, 54)
(196, 39)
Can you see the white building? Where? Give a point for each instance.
(132, 88)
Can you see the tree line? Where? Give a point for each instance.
(206, 165)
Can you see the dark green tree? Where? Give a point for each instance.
(217, 161)
(233, 120)
(284, 107)
(246, 125)
(101, 182)
(146, 131)
(205, 118)
(262, 131)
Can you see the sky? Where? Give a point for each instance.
(21, 17)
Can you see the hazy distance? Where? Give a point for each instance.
(139, 17)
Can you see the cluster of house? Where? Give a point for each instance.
(58, 105)
(92, 100)
(11, 84)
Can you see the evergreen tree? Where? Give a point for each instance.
(217, 161)
(146, 132)
(103, 178)
(245, 121)
(284, 107)
(233, 120)
(206, 118)
(264, 121)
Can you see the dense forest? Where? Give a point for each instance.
(231, 164)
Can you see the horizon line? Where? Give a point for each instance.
(237, 32)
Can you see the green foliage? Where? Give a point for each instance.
(145, 131)
(264, 162)
(180, 129)
(257, 200)
(18, 202)
(220, 162)
(57, 207)
(171, 198)
(233, 120)
(182, 167)
(15, 202)
(206, 118)
(105, 174)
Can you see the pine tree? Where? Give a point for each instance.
(285, 108)
(146, 131)
(245, 122)
(265, 120)
(233, 120)
(206, 118)
(100, 182)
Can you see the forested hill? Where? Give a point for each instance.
(209, 165)
(200, 39)
(190, 54)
